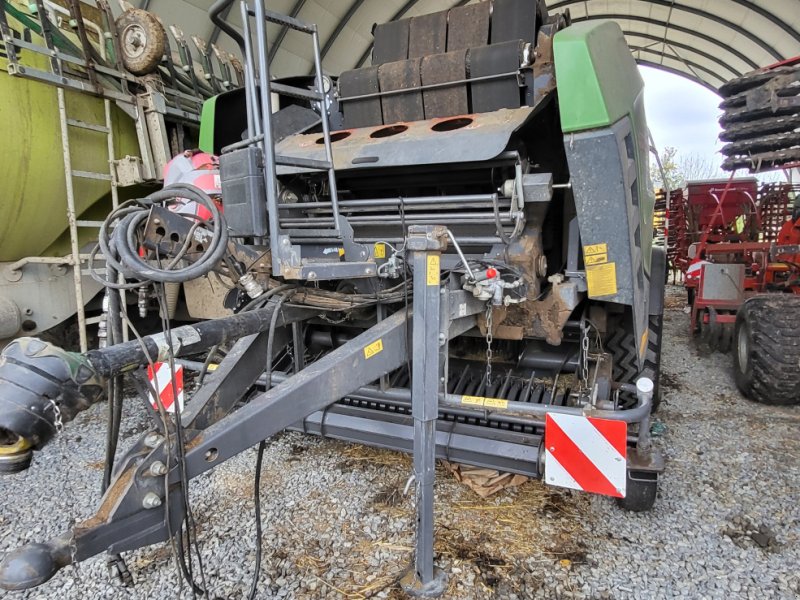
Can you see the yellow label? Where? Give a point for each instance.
(595, 249)
(380, 250)
(341, 252)
(473, 400)
(602, 280)
(495, 403)
(212, 367)
(595, 259)
(373, 349)
(485, 402)
(643, 343)
(433, 269)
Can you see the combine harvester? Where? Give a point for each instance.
(96, 107)
(739, 246)
(448, 252)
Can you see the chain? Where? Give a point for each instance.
(489, 339)
(585, 354)
(57, 422)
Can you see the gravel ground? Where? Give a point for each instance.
(726, 523)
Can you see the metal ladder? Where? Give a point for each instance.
(257, 62)
(70, 175)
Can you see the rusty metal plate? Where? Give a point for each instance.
(468, 27)
(391, 42)
(446, 101)
(484, 137)
(427, 35)
(401, 75)
(366, 112)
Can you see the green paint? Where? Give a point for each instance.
(207, 124)
(33, 206)
(598, 81)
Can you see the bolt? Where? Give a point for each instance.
(442, 338)
(152, 440)
(158, 468)
(151, 500)
(312, 275)
(441, 291)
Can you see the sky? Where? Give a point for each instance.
(682, 114)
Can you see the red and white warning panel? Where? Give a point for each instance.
(162, 382)
(584, 453)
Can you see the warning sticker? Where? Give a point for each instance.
(485, 402)
(595, 259)
(380, 250)
(602, 279)
(373, 349)
(433, 269)
(595, 249)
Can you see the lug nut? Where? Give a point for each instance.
(158, 468)
(151, 500)
(152, 440)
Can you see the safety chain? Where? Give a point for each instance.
(57, 422)
(489, 339)
(585, 354)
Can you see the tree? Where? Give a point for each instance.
(668, 174)
(695, 167)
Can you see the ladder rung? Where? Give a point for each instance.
(303, 163)
(295, 92)
(90, 224)
(290, 22)
(321, 233)
(90, 175)
(95, 320)
(89, 126)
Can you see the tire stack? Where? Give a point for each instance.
(762, 114)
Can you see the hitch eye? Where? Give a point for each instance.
(211, 455)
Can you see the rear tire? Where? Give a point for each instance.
(766, 353)
(623, 348)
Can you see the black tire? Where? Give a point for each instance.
(623, 348)
(142, 40)
(766, 355)
(641, 491)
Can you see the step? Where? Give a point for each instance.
(295, 92)
(303, 163)
(89, 126)
(90, 175)
(290, 22)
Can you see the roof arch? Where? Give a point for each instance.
(709, 42)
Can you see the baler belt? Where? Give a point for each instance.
(491, 95)
(468, 27)
(365, 112)
(401, 75)
(446, 101)
(427, 35)
(391, 42)
(514, 20)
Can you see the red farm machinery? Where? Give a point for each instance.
(737, 243)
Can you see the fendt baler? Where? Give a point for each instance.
(448, 252)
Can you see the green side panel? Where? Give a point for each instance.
(207, 124)
(598, 81)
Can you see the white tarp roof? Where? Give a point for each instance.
(708, 41)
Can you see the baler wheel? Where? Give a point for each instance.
(622, 346)
(640, 493)
(767, 349)
(142, 40)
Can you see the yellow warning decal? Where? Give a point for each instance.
(602, 280)
(595, 249)
(380, 250)
(595, 259)
(373, 349)
(485, 402)
(433, 269)
(643, 343)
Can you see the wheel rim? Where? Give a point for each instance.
(742, 349)
(134, 40)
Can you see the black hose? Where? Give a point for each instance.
(215, 14)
